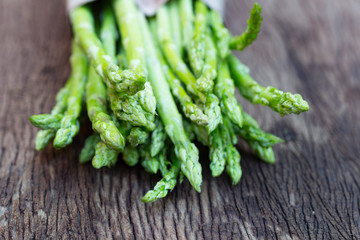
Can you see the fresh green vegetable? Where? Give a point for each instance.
(281, 102)
(88, 151)
(191, 110)
(197, 43)
(158, 138)
(187, 19)
(176, 26)
(225, 90)
(166, 184)
(221, 34)
(126, 81)
(232, 155)
(217, 153)
(135, 76)
(69, 126)
(104, 156)
(205, 82)
(252, 31)
(171, 118)
(97, 112)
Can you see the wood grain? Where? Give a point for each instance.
(306, 46)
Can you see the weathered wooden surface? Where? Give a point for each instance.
(306, 46)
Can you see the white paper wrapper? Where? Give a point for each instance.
(149, 7)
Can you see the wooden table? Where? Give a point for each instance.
(306, 46)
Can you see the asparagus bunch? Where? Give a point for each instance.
(152, 86)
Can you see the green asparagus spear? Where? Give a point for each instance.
(158, 138)
(197, 42)
(44, 137)
(171, 118)
(134, 47)
(259, 141)
(166, 184)
(251, 33)
(69, 123)
(201, 134)
(176, 26)
(233, 167)
(187, 21)
(137, 136)
(251, 132)
(221, 34)
(282, 102)
(174, 60)
(217, 153)
(97, 112)
(150, 164)
(104, 156)
(127, 108)
(225, 90)
(108, 32)
(88, 151)
(163, 161)
(130, 156)
(52, 121)
(264, 153)
(47, 121)
(213, 111)
(191, 110)
(206, 81)
(126, 81)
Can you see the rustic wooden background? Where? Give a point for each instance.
(306, 46)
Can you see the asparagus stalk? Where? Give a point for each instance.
(133, 43)
(104, 156)
(43, 138)
(47, 121)
(166, 184)
(191, 110)
(217, 153)
(176, 26)
(249, 36)
(130, 156)
(163, 162)
(150, 164)
(158, 138)
(88, 151)
(206, 81)
(251, 131)
(69, 123)
(261, 143)
(187, 20)
(108, 32)
(51, 122)
(232, 155)
(282, 102)
(212, 110)
(221, 34)
(137, 136)
(225, 90)
(97, 112)
(171, 118)
(127, 108)
(197, 43)
(174, 60)
(201, 134)
(127, 81)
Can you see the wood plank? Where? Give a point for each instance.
(310, 47)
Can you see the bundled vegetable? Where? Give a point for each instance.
(153, 85)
